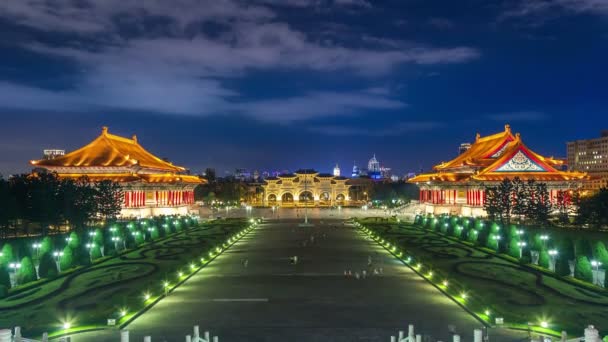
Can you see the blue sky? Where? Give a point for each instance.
(285, 84)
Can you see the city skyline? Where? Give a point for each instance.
(300, 83)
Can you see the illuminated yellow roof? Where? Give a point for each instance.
(110, 150)
(129, 177)
(497, 157)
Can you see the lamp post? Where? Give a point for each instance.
(596, 265)
(36, 246)
(90, 247)
(521, 245)
(14, 266)
(58, 255)
(553, 256)
(115, 239)
(497, 238)
(544, 239)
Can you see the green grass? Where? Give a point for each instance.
(88, 297)
(518, 293)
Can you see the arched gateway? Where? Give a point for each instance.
(306, 188)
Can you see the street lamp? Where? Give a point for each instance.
(521, 245)
(115, 239)
(596, 264)
(36, 246)
(14, 266)
(90, 247)
(544, 239)
(553, 256)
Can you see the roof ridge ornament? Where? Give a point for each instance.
(134, 138)
(104, 130)
(508, 128)
(477, 136)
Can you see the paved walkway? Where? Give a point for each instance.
(274, 300)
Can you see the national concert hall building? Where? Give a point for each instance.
(458, 186)
(151, 186)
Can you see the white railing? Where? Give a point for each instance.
(411, 337)
(6, 335)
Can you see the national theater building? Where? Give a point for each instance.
(457, 186)
(306, 188)
(150, 185)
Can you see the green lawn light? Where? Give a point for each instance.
(445, 283)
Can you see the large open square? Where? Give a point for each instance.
(272, 299)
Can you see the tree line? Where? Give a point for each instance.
(40, 202)
(530, 202)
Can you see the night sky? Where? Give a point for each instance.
(287, 84)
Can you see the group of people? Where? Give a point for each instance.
(376, 271)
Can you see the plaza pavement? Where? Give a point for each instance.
(274, 300)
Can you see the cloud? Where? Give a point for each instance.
(396, 129)
(160, 58)
(315, 105)
(441, 23)
(521, 116)
(537, 12)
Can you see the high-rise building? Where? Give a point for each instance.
(53, 153)
(591, 156)
(464, 147)
(356, 171)
(336, 171)
(373, 165)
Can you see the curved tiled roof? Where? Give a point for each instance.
(110, 150)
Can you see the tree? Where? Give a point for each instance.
(520, 198)
(27, 272)
(600, 253)
(44, 190)
(540, 204)
(514, 247)
(491, 205)
(593, 210)
(543, 259)
(8, 255)
(74, 240)
(582, 269)
(566, 249)
(79, 201)
(505, 200)
(5, 278)
(46, 245)
(563, 204)
(8, 207)
(109, 199)
(582, 247)
(67, 259)
(48, 266)
(95, 252)
(562, 266)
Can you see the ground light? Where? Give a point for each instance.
(445, 283)
(146, 296)
(487, 313)
(463, 295)
(66, 325)
(544, 324)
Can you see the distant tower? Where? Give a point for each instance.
(373, 165)
(336, 171)
(464, 147)
(355, 173)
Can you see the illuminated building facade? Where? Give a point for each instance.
(150, 185)
(590, 156)
(306, 188)
(458, 186)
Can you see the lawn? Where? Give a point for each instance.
(507, 289)
(92, 295)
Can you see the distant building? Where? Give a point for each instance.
(373, 165)
(306, 188)
(356, 171)
(464, 147)
(52, 154)
(256, 175)
(336, 171)
(242, 174)
(394, 178)
(591, 156)
(385, 172)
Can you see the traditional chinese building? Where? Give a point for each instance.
(457, 186)
(306, 188)
(151, 186)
